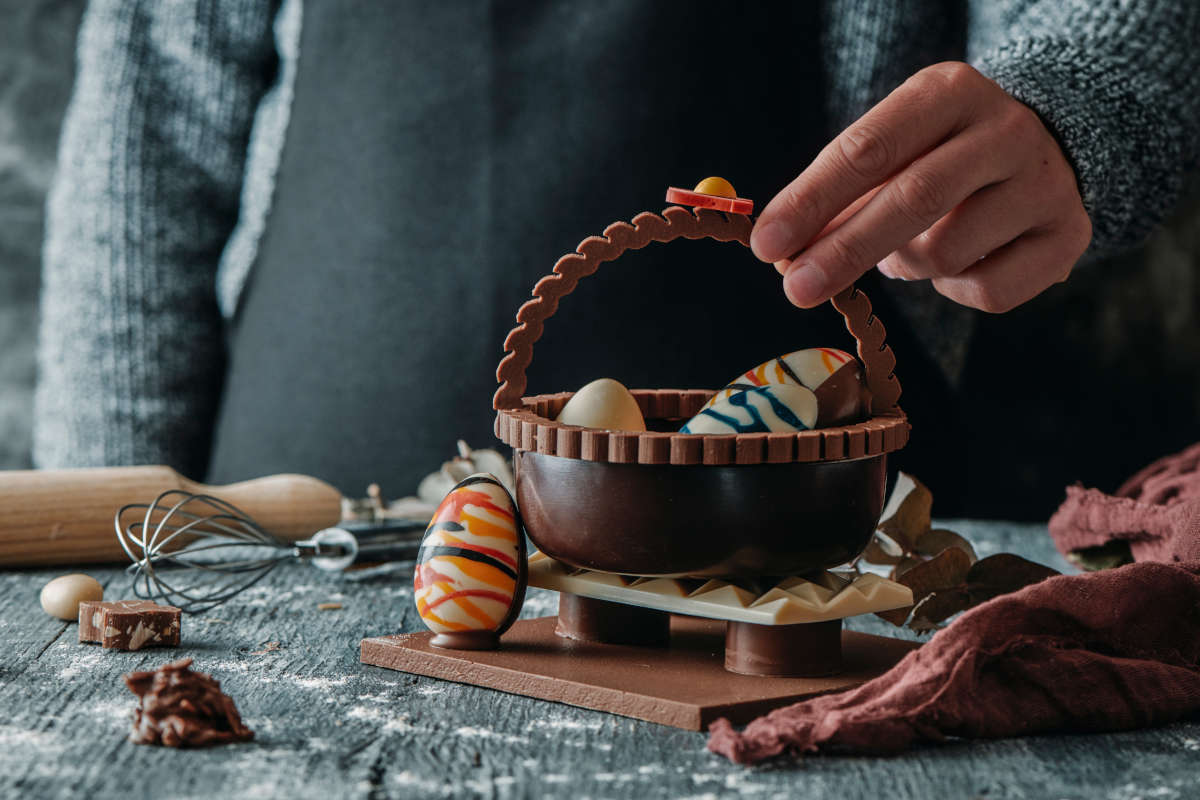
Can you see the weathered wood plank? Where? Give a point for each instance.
(330, 727)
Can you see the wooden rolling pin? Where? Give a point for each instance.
(51, 517)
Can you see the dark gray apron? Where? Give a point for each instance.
(442, 156)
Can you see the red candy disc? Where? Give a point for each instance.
(730, 205)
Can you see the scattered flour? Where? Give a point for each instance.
(736, 781)
(320, 683)
(85, 661)
(395, 723)
(410, 780)
(114, 709)
(1131, 791)
(481, 733)
(564, 724)
(613, 777)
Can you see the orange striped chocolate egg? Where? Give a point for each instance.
(471, 569)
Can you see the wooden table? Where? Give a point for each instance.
(330, 727)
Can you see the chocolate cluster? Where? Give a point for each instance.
(178, 707)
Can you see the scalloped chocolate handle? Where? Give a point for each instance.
(676, 222)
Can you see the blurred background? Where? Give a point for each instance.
(37, 64)
(1086, 384)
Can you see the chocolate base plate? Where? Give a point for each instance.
(684, 685)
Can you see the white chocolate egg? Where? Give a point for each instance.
(61, 597)
(604, 404)
(833, 375)
(757, 409)
(471, 573)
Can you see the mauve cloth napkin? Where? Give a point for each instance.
(1156, 512)
(1099, 652)
(1103, 651)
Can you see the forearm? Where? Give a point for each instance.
(1119, 86)
(150, 167)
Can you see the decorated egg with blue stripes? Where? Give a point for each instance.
(471, 570)
(834, 376)
(758, 409)
(808, 368)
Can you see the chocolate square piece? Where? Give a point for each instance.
(129, 624)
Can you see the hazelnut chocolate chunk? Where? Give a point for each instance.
(129, 624)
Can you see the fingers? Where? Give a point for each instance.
(1020, 270)
(905, 206)
(784, 266)
(925, 110)
(1042, 195)
(950, 179)
(986, 221)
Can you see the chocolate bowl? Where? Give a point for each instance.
(704, 521)
(662, 503)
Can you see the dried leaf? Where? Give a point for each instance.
(896, 616)
(947, 570)
(904, 565)
(1107, 556)
(882, 551)
(434, 487)
(906, 517)
(940, 606)
(1003, 573)
(936, 540)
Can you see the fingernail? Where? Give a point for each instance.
(771, 242)
(805, 285)
(885, 270)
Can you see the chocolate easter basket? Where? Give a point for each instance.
(663, 503)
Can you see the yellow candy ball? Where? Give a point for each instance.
(718, 187)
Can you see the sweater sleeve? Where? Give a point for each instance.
(150, 166)
(1118, 83)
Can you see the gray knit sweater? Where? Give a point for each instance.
(172, 140)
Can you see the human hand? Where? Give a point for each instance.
(948, 179)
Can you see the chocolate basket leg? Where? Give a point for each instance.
(807, 650)
(601, 621)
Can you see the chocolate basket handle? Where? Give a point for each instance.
(677, 222)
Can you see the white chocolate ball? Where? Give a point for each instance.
(604, 404)
(61, 597)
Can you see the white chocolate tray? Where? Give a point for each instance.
(790, 601)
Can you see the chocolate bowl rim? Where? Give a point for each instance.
(533, 428)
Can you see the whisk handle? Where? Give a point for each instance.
(53, 517)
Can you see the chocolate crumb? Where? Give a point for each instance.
(178, 707)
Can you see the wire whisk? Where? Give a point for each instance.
(196, 551)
